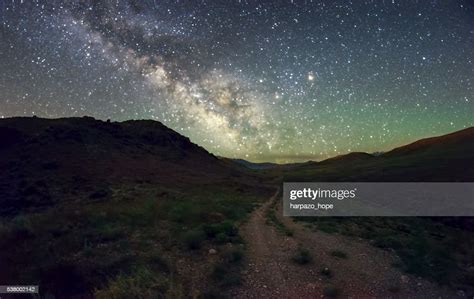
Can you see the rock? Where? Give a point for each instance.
(212, 251)
(404, 279)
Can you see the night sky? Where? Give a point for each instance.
(262, 80)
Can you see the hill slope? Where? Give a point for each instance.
(444, 158)
(115, 210)
(49, 160)
(460, 142)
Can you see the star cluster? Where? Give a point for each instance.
(263, 80)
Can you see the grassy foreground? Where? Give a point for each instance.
(151, 242)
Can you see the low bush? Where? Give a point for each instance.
(226, 275)
(331, 291)
(339, 254)
(234, 256)
(98, 194)
(326, 272)
(302, 257)
(193, 239)
(222, 238)
(141, 283)
(226, 228)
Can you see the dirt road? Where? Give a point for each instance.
(366, 272)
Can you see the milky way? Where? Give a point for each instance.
(262, 80)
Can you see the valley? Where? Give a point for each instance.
(133, 209)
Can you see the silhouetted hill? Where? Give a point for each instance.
(252, 165)
(84, 202)
(45, 161)
(453, 143)
(444, 158)
(263, 165)
(48, 160)
(349, 158)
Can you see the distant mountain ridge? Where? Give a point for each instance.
(45, 161)
(254, 165)
(266, 165)
(443, 158)
(461, 138)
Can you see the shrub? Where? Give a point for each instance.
(222, 238)
(52, 165)
(211, 230)
(219, 271)
(193, 239)
(302, 257)
(327, 228)
(4, 230)
(231, 279)
(388, 242)
(339, 254)
(212, 293)
(157, 260)
(22, 226)
(330, 291)
(225, 276)
(326, 272)
(228, 228)
(99, 194)
(221, 232)
(234, 256)
(141, 283)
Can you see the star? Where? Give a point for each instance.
(268, 82)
